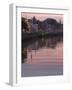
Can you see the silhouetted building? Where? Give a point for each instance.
(47, 25)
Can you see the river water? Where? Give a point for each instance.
(42, 56)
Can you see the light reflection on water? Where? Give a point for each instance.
(42, 56)
(46, 47)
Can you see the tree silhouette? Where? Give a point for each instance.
(34, 20)
(24, 24)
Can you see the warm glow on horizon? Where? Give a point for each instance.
(42, 16)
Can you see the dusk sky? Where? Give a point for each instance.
(42, 16)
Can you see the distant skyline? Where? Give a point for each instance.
(42, 16)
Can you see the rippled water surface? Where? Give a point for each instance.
(42, 56)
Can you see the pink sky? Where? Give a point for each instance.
(42, 16)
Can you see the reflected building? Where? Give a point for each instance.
(34, 45)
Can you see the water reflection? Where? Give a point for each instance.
(36, 44)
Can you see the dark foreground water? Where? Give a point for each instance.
(42, 56)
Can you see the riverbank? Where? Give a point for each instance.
(26, 36)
